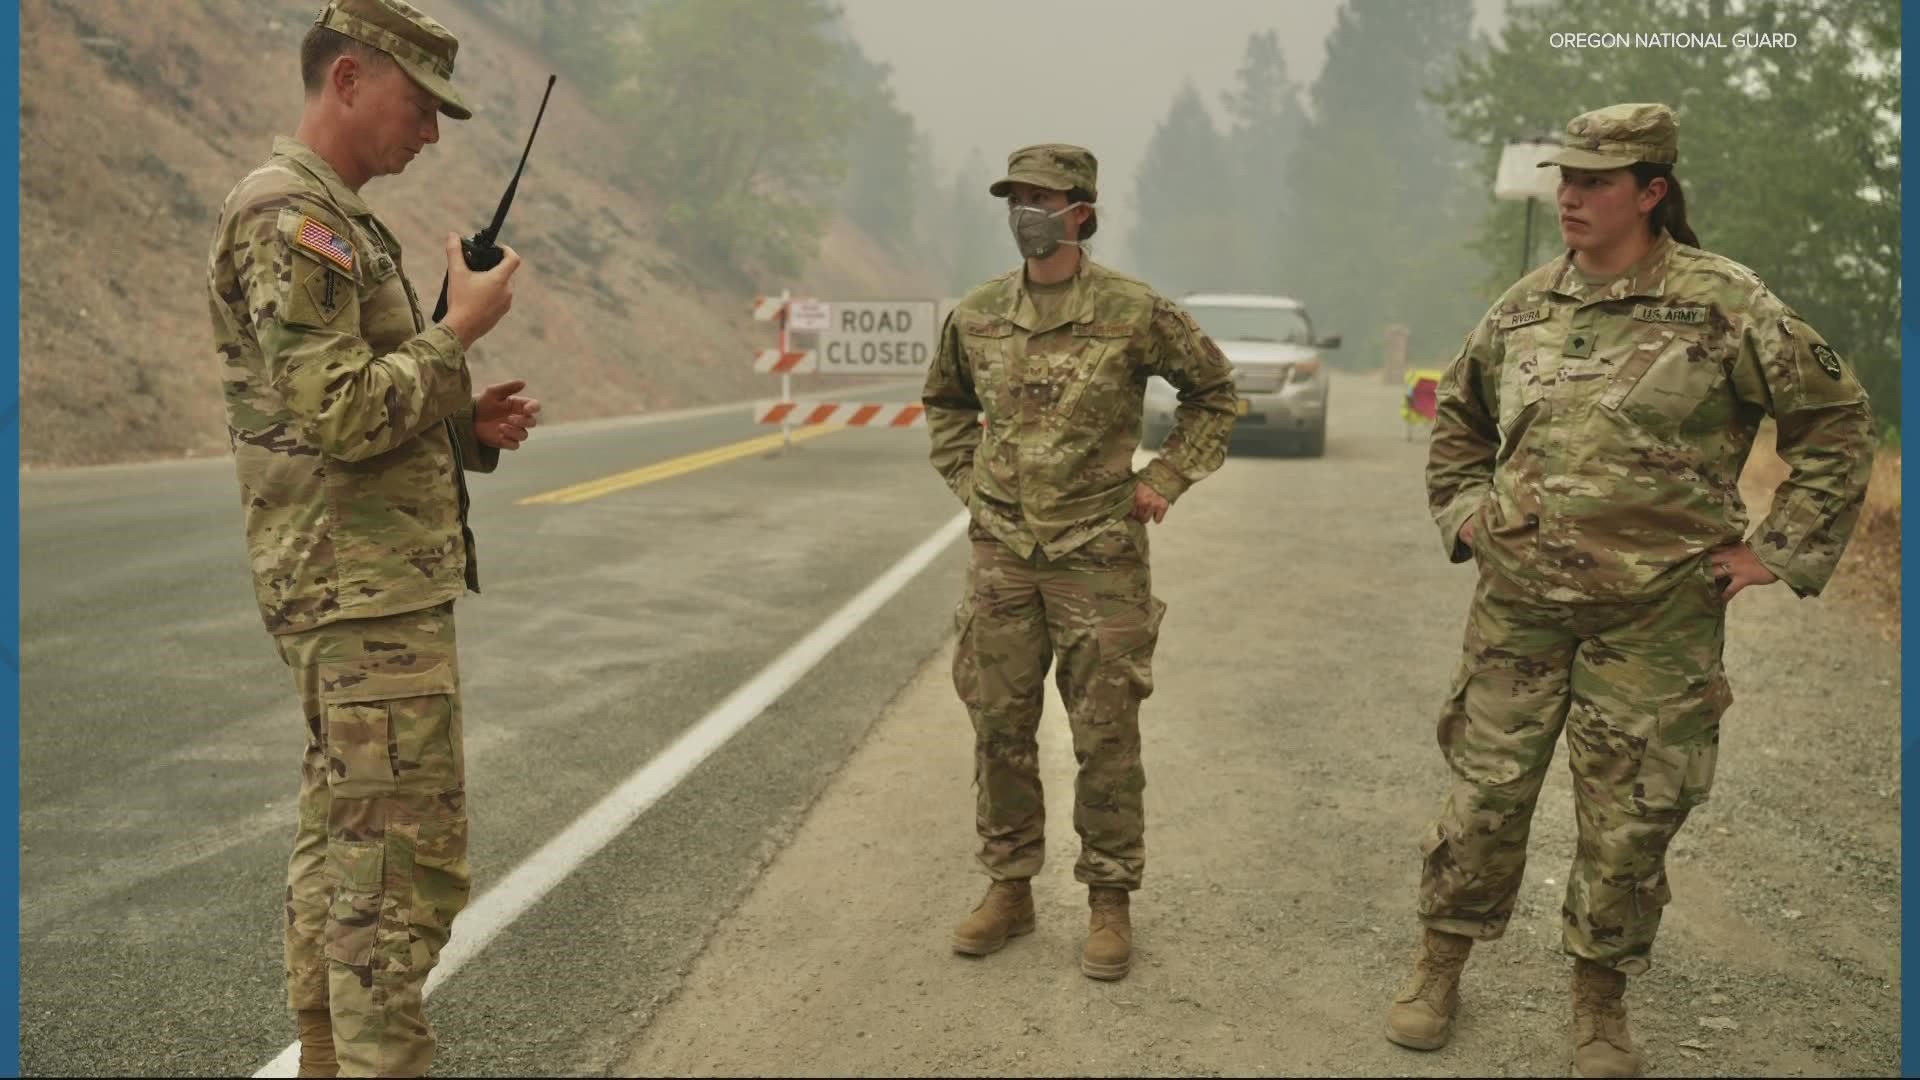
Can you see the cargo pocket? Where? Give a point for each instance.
(1663, 384)
(1453, 711)
(442, 879)
(966, 668)
(1439, 880)
(1631, 370)
(1097, 376)
(1678, 762)
(985, 341)
(1128, 646)
(1521, 388)
(389, 727)
(357, 872)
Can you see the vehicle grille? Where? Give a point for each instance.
(1260, 380)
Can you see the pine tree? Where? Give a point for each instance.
(1184, 198)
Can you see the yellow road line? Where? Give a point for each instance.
(680, 466)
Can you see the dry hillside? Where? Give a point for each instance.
(137, 118)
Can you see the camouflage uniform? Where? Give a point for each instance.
(1059, 566)
(351, 422)
(1594, 434)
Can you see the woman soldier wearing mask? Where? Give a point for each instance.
(1056, 354)
(1586, 456)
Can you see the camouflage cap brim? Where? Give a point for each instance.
(1045, 178)
(432, 83)
(1589, 159)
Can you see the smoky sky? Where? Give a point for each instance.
(996, 74)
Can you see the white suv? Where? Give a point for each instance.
(1278, 373)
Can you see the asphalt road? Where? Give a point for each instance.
(160, 734)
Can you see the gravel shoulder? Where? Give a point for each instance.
(1291, 769)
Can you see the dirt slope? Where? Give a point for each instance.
(134, 126)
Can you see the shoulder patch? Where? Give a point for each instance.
(1692, 314)
(1828, 359)
(1523, 317)
(324, 242)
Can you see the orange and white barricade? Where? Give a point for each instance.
(851, 414)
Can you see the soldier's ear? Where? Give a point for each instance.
(345, 75)
(1655, 191)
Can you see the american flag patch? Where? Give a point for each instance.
(325, 243)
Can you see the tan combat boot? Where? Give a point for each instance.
(1006, 911)
(1421, 1016)
(316, 1043)
(1109, 949)
(1601, 1045)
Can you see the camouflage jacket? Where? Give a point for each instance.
(1053, 465)
(349, 419)
(1595, 434)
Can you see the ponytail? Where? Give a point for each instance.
(1670, 214)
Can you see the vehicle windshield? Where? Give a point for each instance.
(1280, 326)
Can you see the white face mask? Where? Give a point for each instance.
(1039, 233)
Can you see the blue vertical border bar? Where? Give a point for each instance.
(10, 555)
(1909, 958)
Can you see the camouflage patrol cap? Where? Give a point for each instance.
(1054, 166)
(422, 47)
(1618, 136)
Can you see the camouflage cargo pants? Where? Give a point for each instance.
(1094, 610)
(1640, 691)
(379, 866)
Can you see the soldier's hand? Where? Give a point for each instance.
(1735, 567)
(476, 302)
(501, 417)
(1466, 534)
(1148, 505)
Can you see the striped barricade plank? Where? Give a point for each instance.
(776, 362)
(849, 413)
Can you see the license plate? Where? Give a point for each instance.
(1243, 402)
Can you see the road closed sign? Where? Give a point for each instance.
(868, 337)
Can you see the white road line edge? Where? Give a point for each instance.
(559, 857)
